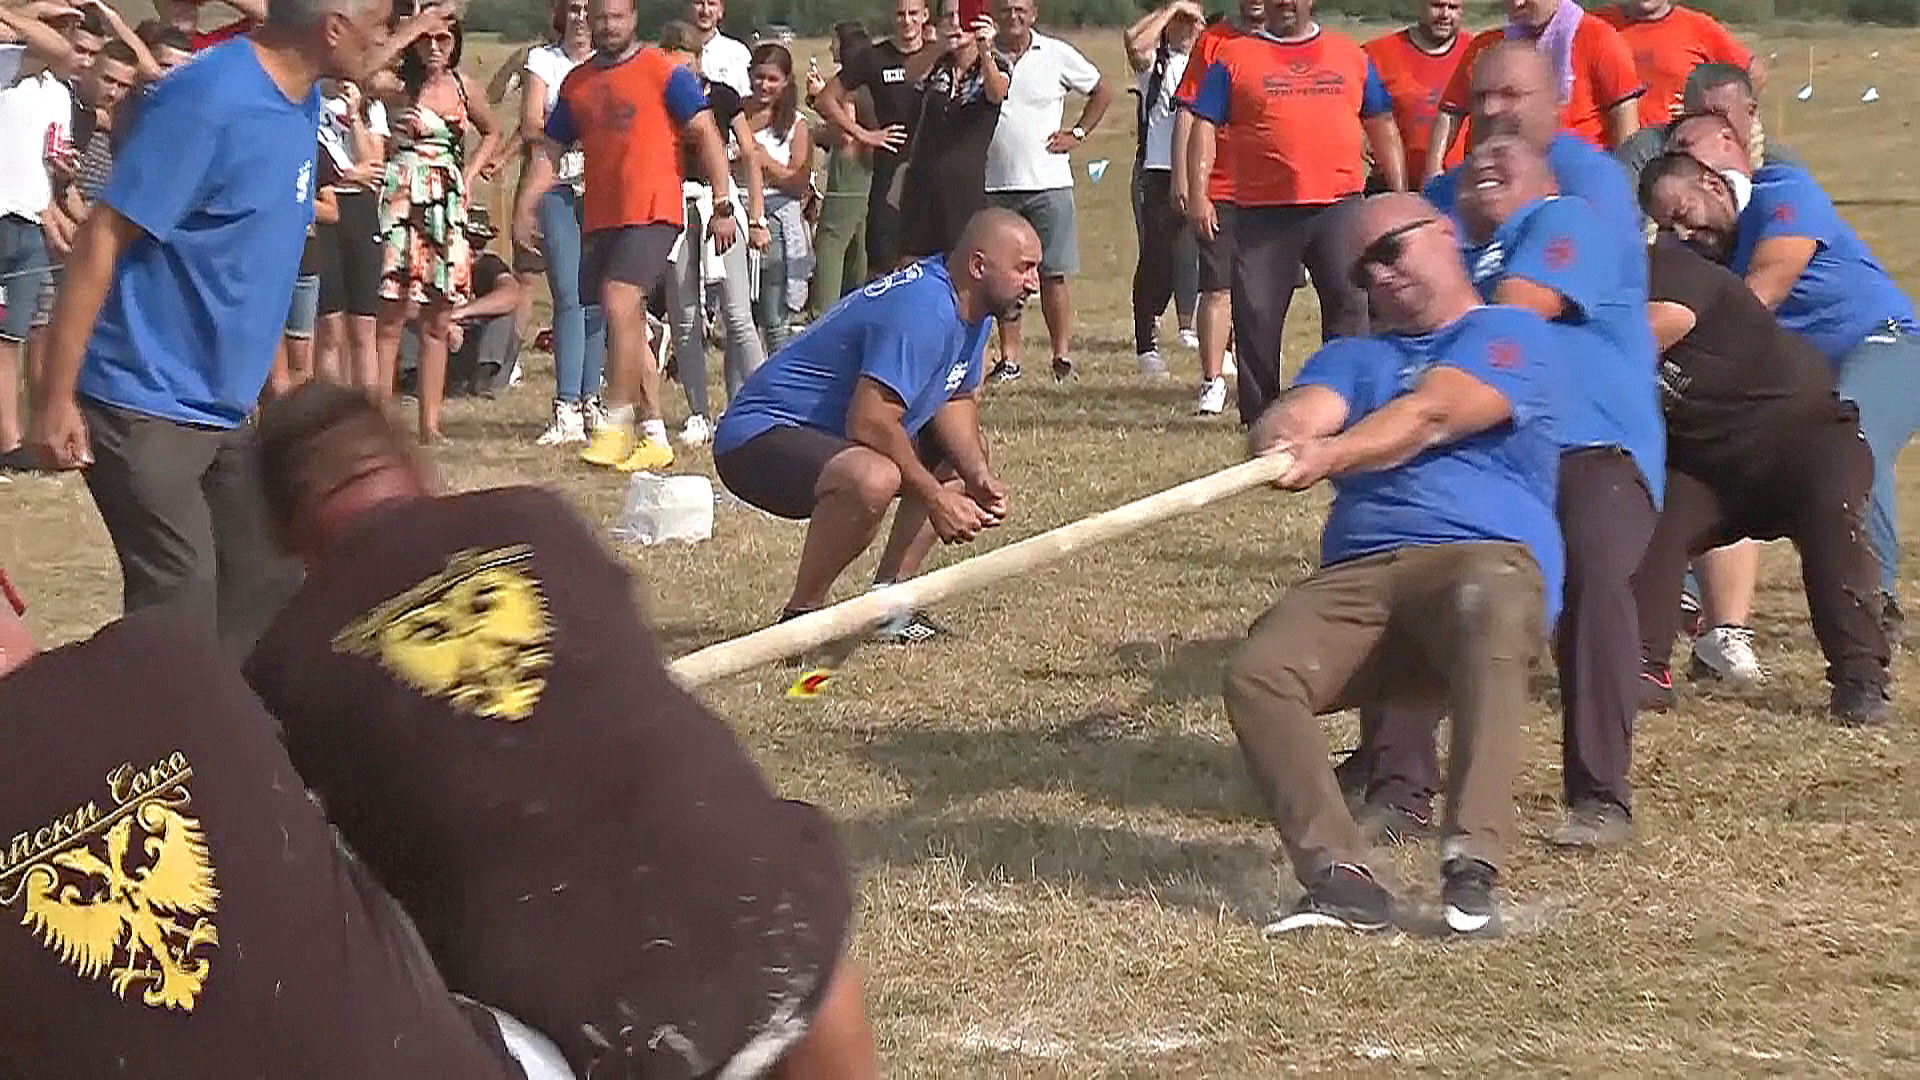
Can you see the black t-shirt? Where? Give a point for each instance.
(956, 125)
(894, 80)
(179, 907)
(1736, 386)
(723, 102)
(468, 685)
(487, 270)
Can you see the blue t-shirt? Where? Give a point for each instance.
(1843, 295)
(1582, 170)
(218, 175)
(1606, 343)
(1498, 484)
(903, 331)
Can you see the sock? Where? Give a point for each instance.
(653, 431)
(619, 416)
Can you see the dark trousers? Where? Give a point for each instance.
(482, 364)
(1814, 491)
(1271, 243)
(1167, 268)
(1449, 623)
(184, 509)
(1606, 519)
(883, 221)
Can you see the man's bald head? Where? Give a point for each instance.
(1409, 262)
(1515, 92)
(1712, 139)
(996, 265)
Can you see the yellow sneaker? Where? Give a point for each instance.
(647, 456)
(611, 444)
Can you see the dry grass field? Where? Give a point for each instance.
(1061, 864)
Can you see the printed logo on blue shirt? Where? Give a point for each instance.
(879, 286)
(303, 183)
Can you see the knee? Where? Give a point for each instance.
(870, 479)
(1255, 683)
(1500, 605)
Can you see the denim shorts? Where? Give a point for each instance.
(24, 269)
(305, 307)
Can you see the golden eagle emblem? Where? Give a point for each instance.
(130, 892)
(476, 634)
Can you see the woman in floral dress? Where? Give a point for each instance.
(426, 264)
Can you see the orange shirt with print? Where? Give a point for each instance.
(1603, 76)
(1205, 49)
(1415, 79)
(1666, 50)
(1290, 112)
(627, 118)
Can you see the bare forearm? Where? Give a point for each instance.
(537, 178)
(1444, 125)
(1393, 435)
(1200, 148)
(957, 426)
(1388, 151)
(503, 300)
(1096, 107)
(713, 159)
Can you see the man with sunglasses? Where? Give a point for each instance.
(1440, 564)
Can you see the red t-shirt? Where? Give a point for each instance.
(1415, 79)
(627, 118)
(1665, 50)
(1291, 112)
(1603, 76)
(1206, 48)
(207, 39)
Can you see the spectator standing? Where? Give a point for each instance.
(164, 329)
(892, 73)
(579, 329)
(840, 239)
(1214, 319)
(353, 153)
(1416, 63)
(1030, 172)
(782, 150)
(943, 183)
(423, 212)
(723, 59)
(1299, 104)
(622, 106)
(1597, 86)
(1667, 42)
(36, 113)
(1166, 266)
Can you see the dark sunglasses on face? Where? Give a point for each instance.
(1384, 251)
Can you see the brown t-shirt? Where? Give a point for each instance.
(179, 907)
(1737, 386)
(467, 684)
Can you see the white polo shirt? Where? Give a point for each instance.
(724, 60)
(1036, 101)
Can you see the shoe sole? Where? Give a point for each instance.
(1589, 841)
(1318, 920)
(1702, 672)
(1461, 921)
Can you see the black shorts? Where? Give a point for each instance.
(631, 254)
(1216, 255)
(350, 270)
(779, 469)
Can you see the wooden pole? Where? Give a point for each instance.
(863, 613)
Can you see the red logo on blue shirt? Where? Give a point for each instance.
(1503, 354)
(1559, 253)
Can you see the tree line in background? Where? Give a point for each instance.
(527, 19)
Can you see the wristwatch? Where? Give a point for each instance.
(1079, 133)
(756, 223)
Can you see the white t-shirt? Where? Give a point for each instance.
(724, 60)
(1160, 113)
(36, 115)
(551, 63)
(1018, 159)
(336, 130)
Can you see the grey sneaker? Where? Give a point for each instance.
(1594, 826)
(1151, 364)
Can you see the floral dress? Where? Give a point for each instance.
(423, 212)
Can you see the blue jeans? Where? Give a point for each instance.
(1881, 376)
(770, 303)
(579, 331)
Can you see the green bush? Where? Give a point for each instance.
(514, 20)
(1884, 12)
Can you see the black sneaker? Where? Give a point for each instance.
(19, 460)
(1062, 369)
(1893, 622)
(1004, 372)
(914, 628)
(1656, 686)
(1344, 897)
(1466, 894)
(1859, 704)
(1384, 823)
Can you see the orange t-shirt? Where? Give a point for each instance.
(1665, 50)
(627, 117)
(1205, 49)
(1291, 113)
(1415, 79)
(1603, 76)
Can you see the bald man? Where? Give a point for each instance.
(1439, 564)
(878, 401)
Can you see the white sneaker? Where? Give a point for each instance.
(1228, 369)
(1213, 398)
(514, 376)
(593, 416)
(697, 431)
(1189, 339)
(1151, 365)
(1725, 654)
(567, 427)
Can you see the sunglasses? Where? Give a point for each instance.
(1384, 251)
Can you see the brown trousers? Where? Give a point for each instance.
(1452, 624)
